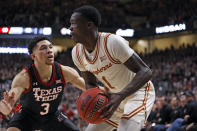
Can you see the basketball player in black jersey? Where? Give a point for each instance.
(40, 88)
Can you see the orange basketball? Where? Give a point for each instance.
(88, 104)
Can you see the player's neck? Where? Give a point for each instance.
(44, 71)
(92, 41)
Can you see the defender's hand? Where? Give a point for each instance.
(7, 103)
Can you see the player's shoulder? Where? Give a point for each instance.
(23, 73)
(21, 79)
(76, 47)
(64, 67)
(68, 71)
(110, 37)
(77, 52)
(67, 68)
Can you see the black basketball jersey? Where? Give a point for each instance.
(43, 98)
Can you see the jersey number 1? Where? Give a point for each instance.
(107, 82)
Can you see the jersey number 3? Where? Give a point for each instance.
(46, 108)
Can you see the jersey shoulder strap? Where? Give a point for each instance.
(79, 52)
(107, 51)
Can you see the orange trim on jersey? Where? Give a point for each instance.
(78, 56)
(145, 95)
(146, 92)
(145, 115)
(148, 84)
(107, 52)
(30, 80)
(124, 117)
(39, 79)
(62, 75)
(140, 108)
(97, 51)
(110, 122)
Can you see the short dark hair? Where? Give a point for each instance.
(34, 42)
(90, 13)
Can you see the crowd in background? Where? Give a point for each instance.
(127, 13)
(174, 70)
(174, 78)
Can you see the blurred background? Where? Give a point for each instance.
(162, 32)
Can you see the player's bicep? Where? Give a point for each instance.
(135, 63)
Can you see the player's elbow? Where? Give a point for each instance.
(146, 73)
(149, 73)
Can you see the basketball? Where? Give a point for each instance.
(88, 104)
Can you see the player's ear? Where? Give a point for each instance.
(32, 56)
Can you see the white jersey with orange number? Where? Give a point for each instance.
(106, 61)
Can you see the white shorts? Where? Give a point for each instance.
(135, 108)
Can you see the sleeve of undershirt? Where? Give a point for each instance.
(119, 48)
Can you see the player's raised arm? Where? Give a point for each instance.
(19, 84)
(71, 75)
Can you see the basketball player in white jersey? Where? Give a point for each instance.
(108, 58)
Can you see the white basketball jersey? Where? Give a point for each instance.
(106, 61)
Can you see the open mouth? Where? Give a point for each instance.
(50, 57)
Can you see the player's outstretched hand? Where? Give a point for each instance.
(7, 103)
(114, 101)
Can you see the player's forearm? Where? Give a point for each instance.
(80, 83)
(92, 83)
(5, 107)
(90, 80)
(140, 79)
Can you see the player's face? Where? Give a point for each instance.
(43, 52)
(78, 27)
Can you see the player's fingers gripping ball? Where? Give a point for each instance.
(89, 103)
